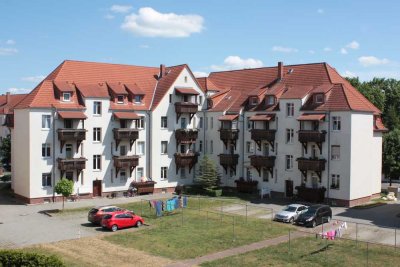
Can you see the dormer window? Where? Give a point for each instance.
(186, 80)
(138, 99)
(253, 101)
(66, 97)
(120, 99)
(319, 98)
(270, 100)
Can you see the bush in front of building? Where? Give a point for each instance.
(208, 178)
(28, 259)
(64, 187)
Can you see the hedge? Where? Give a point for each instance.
(14, 258)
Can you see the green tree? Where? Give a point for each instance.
(208, 176)
(5, 150)
(391, 155)
(64, 187)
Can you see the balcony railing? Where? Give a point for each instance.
(125, 134)
(228, 159)
(74, 164)
(185, 159)
(125, 162)
(71, 134)
(186, 107)
(262, 161)
(306, 136)
(317, 165)
(263, 135)
(186, 135)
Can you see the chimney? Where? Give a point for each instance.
(280, 70)
(162, 71)
(8, 97)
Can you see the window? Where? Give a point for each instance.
(123, 123)
(96, 162)
(97, 108)
(66, 97)
(231, 173)
(69, 176)
(289, 136)
(140, 148)
(253, 101)
(140, 123)
(170, 98)
(335, 152)
(249, 123)
(289, 162)
(319, 98)
(46, 179)
(45, 121)
(96, 134)
(45, 150)
(206, 123)
(183, 173)
(211, 122)
(265, 175)
(164, 173)
(211, 146)
(139, 172)
(164, 122)
(335, 183)
(289, 109)
(249, 147)
(164, 147)
(138, 99)
(122, 150)
(68, 124)
(336, 124)
(200, 146)
(120, 99)
(200, 99)
(183, 123)
(201, 122)
(186, 79)
(270, 100)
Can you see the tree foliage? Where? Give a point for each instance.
(391, 155)
(208, 176)
(5, 150)
(64, 187)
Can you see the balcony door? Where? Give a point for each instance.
(232, 149)
(265, 150)
(68, 151)
(123, 123)
(67, 124)
(183, 123)
(289, 188)
(122, 150)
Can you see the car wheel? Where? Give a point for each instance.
(114, 228)
(138, 224)
(291, 220)
(314, 223)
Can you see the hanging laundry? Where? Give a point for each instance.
(185, 201)
(158, 205)
(176, 201)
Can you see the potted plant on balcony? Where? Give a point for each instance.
(208, 178)
(246, 186)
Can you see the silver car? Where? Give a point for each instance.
(290, 213)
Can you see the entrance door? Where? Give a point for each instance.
(97, 188)
(289, 188)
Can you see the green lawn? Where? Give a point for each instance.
(309, 251)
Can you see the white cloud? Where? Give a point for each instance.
(145, 46)
(311, 51)
(109, 16)
(34, 79)
(327, 49)
(320, 11)
(283, 49)
(10, 42)
(236, 62)
(151, 23)
(353, 45)
(367, 61)
(8, 51)
(199, 74)
(18, 90)
(343, 51)
(120, 8)
(349, 74)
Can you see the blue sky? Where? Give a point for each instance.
(358, 38)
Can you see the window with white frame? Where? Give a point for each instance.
(46, 121)
(138, 99)
(140, 123)
(289, 162)
(211, 146)
(231, 173)
(289, 109)
(123, 150)
(46, 150)
(139, 172)
(46, 179)
(319, 98)
(249, 124)
(211, 122)
(248, 173)
(186, 79)
(164, 147)
(97, 108)
(265, 175)
(249, 147)
(335, 152)
(200, 146)
(122, 175)
(270, 100)
(120, 99)
(253, 101)
(96, 162)
(201, 122)
(336, 123)
(335, 182)
(140, 148)
(289, 136)
(164, 171)
(164, 122)
(183, 173)
(200, 99)
(66, 97)
(96, 134)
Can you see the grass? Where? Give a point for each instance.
(309, 251)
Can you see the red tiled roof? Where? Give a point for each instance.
(126, 115)
(134, 89)
(379, 126)
(262, 117)
(230, 117)
(72, 115)
(207, 84)
(64, 86)
(117, 88)
(296, 92)
(311, 117)
(13, 100)
(97, 90)
(186, 91)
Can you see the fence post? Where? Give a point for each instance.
(289, 242)
(233, 228)
(395, 239)
(246, 213)
(182, 215)
(141, 208)
(367, 255)
(357, 234)
(207, 216)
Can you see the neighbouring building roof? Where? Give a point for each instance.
(9, 101)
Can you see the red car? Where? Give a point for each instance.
(121, 219)
(96, 214)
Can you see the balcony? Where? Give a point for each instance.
(185, 159)
(229, 161)
(186, 135)
(259, 162)
(125, 162)
(65, 135)
(229, 135)
(259, 135)
(316, 165)
(125, 134)
(185, 107)
(311, 136)
(74, 164)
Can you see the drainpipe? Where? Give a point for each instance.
(53, 175)
(242, 143)
(148, 141)
(329, 153)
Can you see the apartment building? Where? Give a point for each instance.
(297, 127)
(104, 126)
(7, 102)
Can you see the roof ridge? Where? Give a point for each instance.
(107, 63)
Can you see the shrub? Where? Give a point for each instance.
(19, 258)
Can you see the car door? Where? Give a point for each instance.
(129, 220)
(299, 211)
(318, 217)
(120, 220)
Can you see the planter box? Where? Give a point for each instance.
(144, 187)
(246, 186)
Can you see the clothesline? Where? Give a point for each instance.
(335, 233)
(168, 205)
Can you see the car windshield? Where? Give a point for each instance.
(290, 209)
(310, 211)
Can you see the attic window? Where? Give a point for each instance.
(66, 97)
(319, 98)
(138, 99)
(270, 100)
(253, 101)
(120, 99)
(186, 79)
